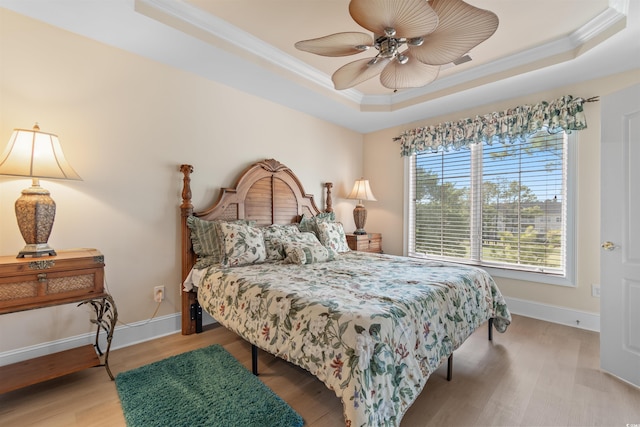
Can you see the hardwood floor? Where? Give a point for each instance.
(535, 374)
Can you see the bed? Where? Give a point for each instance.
(371, 327)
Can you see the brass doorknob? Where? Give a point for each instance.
(608, 246)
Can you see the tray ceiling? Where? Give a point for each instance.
(248, 44)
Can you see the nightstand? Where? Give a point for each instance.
(371, 242)
(74, 276)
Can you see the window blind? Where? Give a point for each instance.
(500, 205)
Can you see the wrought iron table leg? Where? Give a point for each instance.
(106, 319)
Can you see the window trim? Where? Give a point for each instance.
(569, 279)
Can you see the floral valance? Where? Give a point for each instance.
(563, 114)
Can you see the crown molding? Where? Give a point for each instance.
(558, 50)
(188, 18)
(231, 36)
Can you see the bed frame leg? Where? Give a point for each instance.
(196, 316)
(450, 360)
(254, 359)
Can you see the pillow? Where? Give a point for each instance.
(331, 235)
(309, 223)
(306, 224)
(205, 240)
(273, 235)
(326, 216)
(276, 244)
(241, 244)
(307, 253)
(303, 238)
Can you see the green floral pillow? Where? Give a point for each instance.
(307, 253)
(331, 235)
(303, 238)
(205, 240)
(274, 235)
(306, 224)
(309, 223)
(241, 244)
(277, 244)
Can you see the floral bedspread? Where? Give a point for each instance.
(372, 327)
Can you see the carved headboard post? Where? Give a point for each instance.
(186, 170)
(329, 201)
(188, 257)
(186, 209)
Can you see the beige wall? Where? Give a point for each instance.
(126, 123)
(384, 167)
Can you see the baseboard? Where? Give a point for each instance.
(555, 314)
(134, 333)
(123, 336)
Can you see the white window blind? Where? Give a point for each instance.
(499, 205)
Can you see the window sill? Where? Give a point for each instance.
(527, 276)
(530, 276)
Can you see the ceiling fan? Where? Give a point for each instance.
(435, 32)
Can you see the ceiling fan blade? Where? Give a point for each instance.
(339, 44)
(357, 72)
(412, 74)
(410, 18)
(461, 28)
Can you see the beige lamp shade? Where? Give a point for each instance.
(37, 155)
(361, 191)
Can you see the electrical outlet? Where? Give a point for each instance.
(595, 290)
(158, 293)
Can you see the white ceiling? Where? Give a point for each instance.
(248, 44)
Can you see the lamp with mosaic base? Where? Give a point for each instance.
(361, 192)
(35, 154)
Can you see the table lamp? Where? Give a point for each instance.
(37, 155)
(361, 191)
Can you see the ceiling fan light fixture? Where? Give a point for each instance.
(436, 32)
(387, 47)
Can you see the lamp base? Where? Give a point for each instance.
(36, 250)
(35, 212)
(360, 219)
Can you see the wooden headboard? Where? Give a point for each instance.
(267, 192)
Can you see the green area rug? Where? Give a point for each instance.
(205, 387)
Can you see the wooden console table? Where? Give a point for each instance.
(75, 276)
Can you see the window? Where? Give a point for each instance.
(501, 206)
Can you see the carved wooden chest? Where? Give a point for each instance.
(27, 283)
